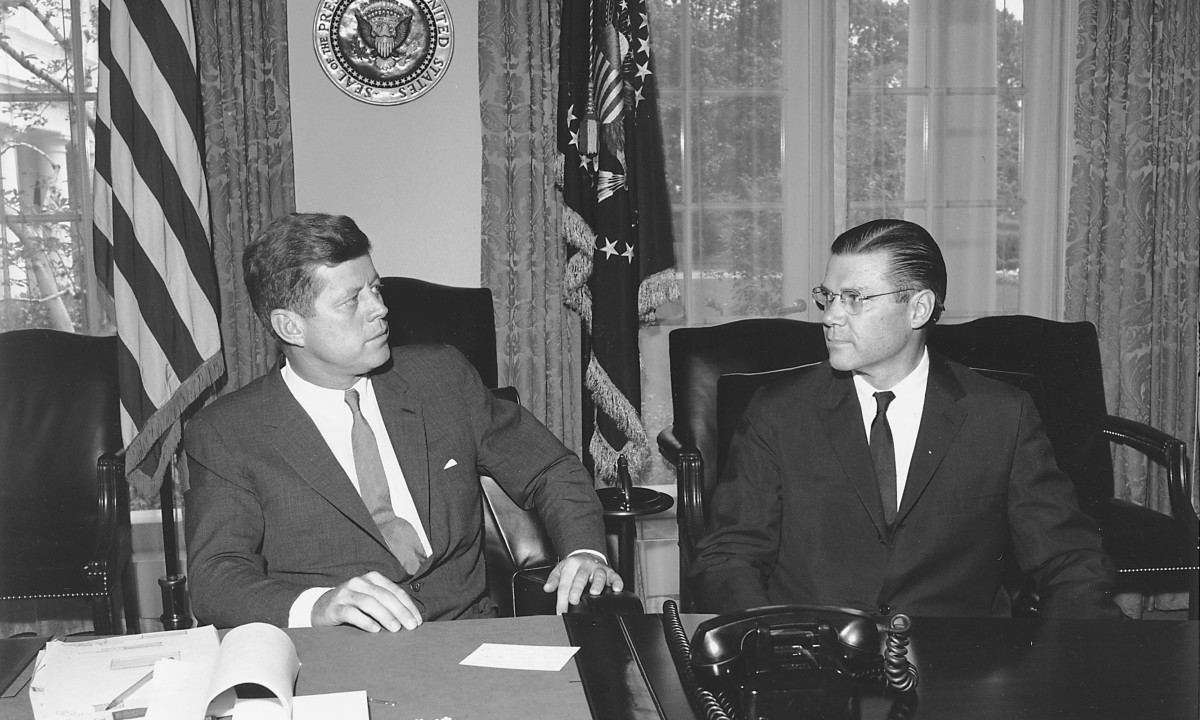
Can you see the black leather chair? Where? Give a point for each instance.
(1153, 551)
(518, 551)
(64, 502)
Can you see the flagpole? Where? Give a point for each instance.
(176, 614)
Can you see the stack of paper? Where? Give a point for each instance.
(179, 675)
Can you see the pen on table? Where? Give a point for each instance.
(381, 701)
(130, 690)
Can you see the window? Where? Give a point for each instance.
(789, 122)
(47, 110)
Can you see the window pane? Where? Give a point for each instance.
(39, 56)
(739, 261)
(666, 24)
(47, 283)
(743, 165)
(877, 44)
(876, 131)
(736, 43)
(671, 117)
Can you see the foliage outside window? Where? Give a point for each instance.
(48, 75)
(725, 70)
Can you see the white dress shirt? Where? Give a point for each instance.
(904, 415)
(332, 416)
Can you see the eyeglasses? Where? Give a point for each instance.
(852, 301)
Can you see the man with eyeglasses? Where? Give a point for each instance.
(891, 479)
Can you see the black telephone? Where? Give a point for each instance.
(789, 661)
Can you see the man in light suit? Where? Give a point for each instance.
(969, 477)
(343, 487)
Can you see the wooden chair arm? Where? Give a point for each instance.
(1165, 450)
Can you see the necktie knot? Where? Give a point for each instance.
(352, 401)
(882, 401)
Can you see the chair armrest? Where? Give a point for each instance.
(1165, 450)
(530, 599)
(112, 520)
(689, 485)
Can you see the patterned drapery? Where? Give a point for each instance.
(523, 258)
(1133, 254)
(248, 134)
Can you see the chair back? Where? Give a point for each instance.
(423, 312)
(58, 414)
(1065, 357)
(701, 355)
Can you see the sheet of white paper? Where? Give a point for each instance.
(257, 653)
(343, 706)
(549, 658)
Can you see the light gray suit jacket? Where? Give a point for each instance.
(270, 512)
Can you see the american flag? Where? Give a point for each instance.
(151, 235)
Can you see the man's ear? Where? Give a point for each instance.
(289, 326)
(921, 306)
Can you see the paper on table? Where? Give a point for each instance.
(80, 679)
(550, 658)
(343, 705)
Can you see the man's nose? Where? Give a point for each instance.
(379, 310)
(834, 313)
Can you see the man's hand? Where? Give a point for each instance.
(576, 572)
(370, 602)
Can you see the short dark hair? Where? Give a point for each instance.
(280, 263)
(916, 260)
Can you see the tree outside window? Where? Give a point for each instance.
(48, 72)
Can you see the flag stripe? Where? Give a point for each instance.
(157, 28)
(147, 155)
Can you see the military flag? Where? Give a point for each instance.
(617, 217)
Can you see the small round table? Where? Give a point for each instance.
(623, 505)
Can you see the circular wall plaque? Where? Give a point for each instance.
(384, 52)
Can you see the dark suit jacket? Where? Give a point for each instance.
(270, 512)
(797, 517)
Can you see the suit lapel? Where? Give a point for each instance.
(843, 425)
(300, 444)
(941, 419)
(407, 431)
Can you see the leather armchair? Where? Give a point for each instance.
(1153, 551)
(64, 503)
(518, 551)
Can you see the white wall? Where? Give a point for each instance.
(408, 174)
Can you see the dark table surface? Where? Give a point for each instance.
(969, 668)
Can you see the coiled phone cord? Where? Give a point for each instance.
(900, 673)
(703, 701)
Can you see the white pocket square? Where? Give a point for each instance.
(450, 463)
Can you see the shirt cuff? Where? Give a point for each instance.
(591, 552)
(300, 616)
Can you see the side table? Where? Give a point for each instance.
(623, 505)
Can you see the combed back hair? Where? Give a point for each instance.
(916, 260)
(280, 264)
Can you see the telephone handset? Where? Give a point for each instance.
(787, 660)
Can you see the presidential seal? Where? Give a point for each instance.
(384, 52)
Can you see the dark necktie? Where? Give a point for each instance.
(883, 454)
(400, 535)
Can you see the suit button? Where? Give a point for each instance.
(885, 609)
(415, 586)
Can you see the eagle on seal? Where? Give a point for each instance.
(384, 25)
